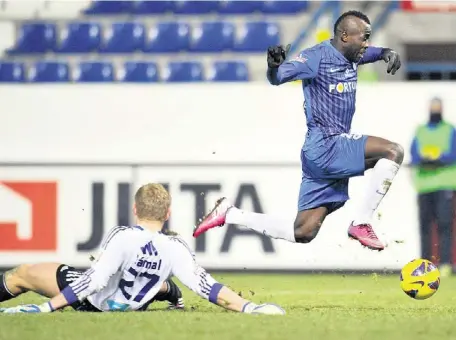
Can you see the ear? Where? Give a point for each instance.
(168, 214)
(134, 209)
(344, 37)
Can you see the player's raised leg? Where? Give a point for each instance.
(385, 158)
(324, 189)
(300, 229)
(225, 213)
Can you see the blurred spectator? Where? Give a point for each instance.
(433, 153)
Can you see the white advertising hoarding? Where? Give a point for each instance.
(191, 123)
(90, 200)
(239, 141)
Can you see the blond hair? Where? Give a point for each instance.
(152, 202)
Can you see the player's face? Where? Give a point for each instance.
(358, 41)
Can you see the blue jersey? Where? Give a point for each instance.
(329, 83)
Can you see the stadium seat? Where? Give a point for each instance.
(195, 7)
(83, 37)
(239, 7)
(257, 36)
(183, 72)
(212, 37)
(123, 37)
(227, 71)
(283, 7)
(140, 72)
(34, 38)
(166, 37)
(49, 71)
(94, 72)
(151, 7)
(12, 72)
(109, 7)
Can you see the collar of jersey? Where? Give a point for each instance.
(141, 228)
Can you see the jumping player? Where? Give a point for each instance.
(132, 270)
(330, 154)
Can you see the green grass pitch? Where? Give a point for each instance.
(324, 307)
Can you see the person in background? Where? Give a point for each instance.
(433, 152)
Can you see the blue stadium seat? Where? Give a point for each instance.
(185, 71)
(151, 7)
(94, 72)
(167, 37)
(81, 37)
(284, 7)
(195, 7)
(212, 37)
(140, 72)
(109, 7)
(34, 38)
(12, 72)
(239, 7)
(257, 36)
(49, 71)
(227, 71)
(123, 37)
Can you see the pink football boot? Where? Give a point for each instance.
(366, 236)
(216, 217)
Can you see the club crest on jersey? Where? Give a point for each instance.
(149, 249)
(347, 87)
(300, 59)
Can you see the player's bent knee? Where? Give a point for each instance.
(399, 150)
(306, 232)
(18, 277)
(395, 152)
(22, 271)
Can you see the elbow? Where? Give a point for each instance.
(95, 287)
(274, 83)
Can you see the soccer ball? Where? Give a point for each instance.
(420, 279)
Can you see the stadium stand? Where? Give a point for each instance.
(194, 41)
(144, 41)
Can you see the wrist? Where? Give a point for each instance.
(248, 307)
(46, 307)
(385, 50)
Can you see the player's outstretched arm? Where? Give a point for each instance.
(388, 55)
(199, 281)
(281, 71)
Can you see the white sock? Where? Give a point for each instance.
(274, 227)
(382, 176)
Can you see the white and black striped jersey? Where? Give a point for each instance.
(131, 267)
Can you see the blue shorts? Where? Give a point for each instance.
(327, 165)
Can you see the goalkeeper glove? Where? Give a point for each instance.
(277, 55)
(43, 308)
(393, 59)
(264, 308)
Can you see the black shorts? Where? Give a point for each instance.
(67, 274)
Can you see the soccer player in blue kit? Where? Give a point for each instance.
(331, 155)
